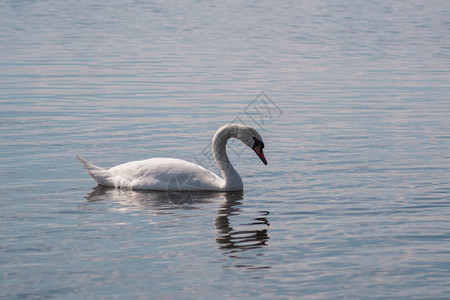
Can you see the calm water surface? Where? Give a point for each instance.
(355, 201)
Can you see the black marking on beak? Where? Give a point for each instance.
(257, 143)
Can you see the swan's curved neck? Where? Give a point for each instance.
(232, 179)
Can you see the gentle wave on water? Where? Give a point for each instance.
(350, 98)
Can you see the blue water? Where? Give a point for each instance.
(351, 98)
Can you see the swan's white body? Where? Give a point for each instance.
(179, 175)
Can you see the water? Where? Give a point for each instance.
(354, 203)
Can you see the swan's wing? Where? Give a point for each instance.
(167, 174)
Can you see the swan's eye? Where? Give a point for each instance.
(257, 143)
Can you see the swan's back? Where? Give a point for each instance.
(156, 174)
(167, 174)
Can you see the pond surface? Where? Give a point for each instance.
(351, 98)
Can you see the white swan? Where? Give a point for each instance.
(170, 174)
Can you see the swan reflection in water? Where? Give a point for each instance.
(152, 201)
(233, 240)
(251, 235)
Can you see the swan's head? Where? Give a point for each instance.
(249, 136)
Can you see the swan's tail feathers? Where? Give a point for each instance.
(102, 176)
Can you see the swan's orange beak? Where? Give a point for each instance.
(259, 151)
